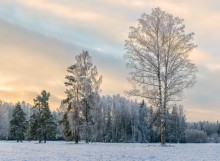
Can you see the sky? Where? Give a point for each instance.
(40, 38)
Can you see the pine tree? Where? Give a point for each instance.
(67, 133)
(48, 124)
(32, 128)
(174, 125)
(143, 122)
(154, 124)
(18, 123)
(182, 125)
(6, 110)
(107, 119)
(82, 90)
(218, 131)
(42, 124)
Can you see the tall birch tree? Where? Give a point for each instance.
(158, 56)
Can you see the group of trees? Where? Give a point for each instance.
(117, 119)
(202, 132)
(158, 57)
(26, 122)
(114, 119)
(85, 115)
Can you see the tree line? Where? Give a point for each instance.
(88, 116)
(117, 119)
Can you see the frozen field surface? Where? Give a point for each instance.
(66, 151)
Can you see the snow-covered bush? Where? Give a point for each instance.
(195, 136)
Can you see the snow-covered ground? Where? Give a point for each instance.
(66, 151)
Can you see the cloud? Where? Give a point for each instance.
(204, 96)
(197, 114)
(83, 26)
(39, 39)
(31, 62)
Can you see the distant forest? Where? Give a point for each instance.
(117, 119)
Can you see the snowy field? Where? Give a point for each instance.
(65, 151)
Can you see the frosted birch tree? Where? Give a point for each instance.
(158, 56)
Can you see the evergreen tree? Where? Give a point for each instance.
(33, 127)
(182, 125)
(174, 125)
(143, 123)
(67, 133)
(218, 131)
(150, 126)
(18, 123)
(154, 124)
(42, 124)
(107, 131)
(82, 93)
(6, 110)
(48, 124)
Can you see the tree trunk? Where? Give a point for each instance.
(87, 132)
(40, 139)
(163, 136)
(162, 114)
(45, 137)
(87, 124)
(76, 136)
